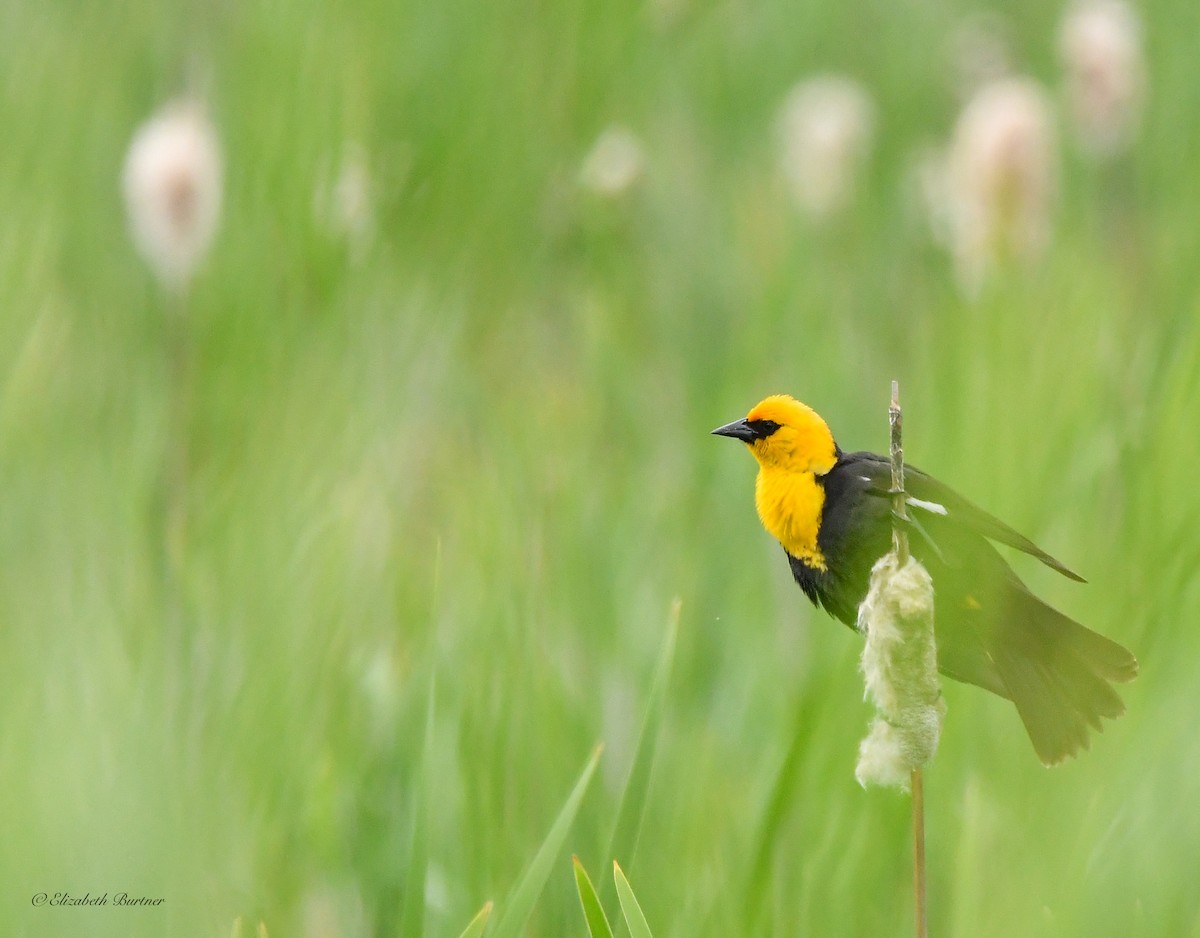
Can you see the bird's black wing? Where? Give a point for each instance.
(930, 498)
(991, 631)
(855, 531)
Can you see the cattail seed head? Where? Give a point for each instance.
(1100, 43)
(899, 664)
(344, 201)
(615, 162)
(826, 126)
(1003, 177)
(172, 185)
(980, 51)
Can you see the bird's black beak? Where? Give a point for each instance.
(739, 430)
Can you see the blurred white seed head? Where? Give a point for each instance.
(344, 201)
(172, 184)
(1002, 175)
(331, 911)
(1100, 42)
(899, 664)
(379, 682)
(615, 162)
(928, 191)
(826, 127)
(980, 52)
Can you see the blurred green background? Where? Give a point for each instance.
(470, 452)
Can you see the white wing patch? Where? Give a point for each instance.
(928, 506)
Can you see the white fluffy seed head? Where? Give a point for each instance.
(1100, 43)
(344, 201)
(615, 162)
(826, 127)
(1002, 177)
(928, 191)
(899, 664)
(981, 52)
(172, 186)
(352, 193)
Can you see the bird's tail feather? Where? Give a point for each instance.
(1059, 674)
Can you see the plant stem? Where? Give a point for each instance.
(918, 814)
(900, 544)
(895, 421)
(176, 461)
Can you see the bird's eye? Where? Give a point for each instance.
(762, 428)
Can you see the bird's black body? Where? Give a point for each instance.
(991, 631)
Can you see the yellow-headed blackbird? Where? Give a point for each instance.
(832, 513)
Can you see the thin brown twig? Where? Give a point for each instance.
(175, 484)
(900, 543)
(918, 813)
(896, 422)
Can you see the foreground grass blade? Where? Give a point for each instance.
(593, 912)
(775, 811)
(478, 923)
(523, 898)
(634, 918)
(626, 830)
(412, 924)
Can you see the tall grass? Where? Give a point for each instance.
(476, 457)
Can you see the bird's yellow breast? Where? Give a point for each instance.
(789, 505)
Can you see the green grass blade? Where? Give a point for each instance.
(779, 803)
(593, 912)
(412, 924)
(523, 898)
(634, 919)
(628, 826)
(476, 926)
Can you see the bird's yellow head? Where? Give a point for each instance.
(784, 434)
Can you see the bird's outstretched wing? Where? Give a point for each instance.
(929, 497)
